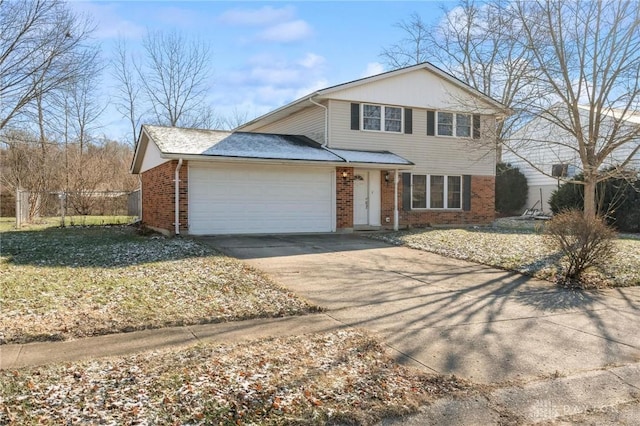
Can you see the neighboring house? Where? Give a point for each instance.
(411, 147)
(548, 155)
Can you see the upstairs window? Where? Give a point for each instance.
(381, 118)
(456, 125)
(371, 117)
(463, 125)
(392, 119)
(445, 124)
(451, 124)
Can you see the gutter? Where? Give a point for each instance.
(326, 121)
(177, 197)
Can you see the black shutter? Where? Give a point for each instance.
(408, 121)
(476, 127)
(431, 123)
(355, 116)
(466, 193)
(406, 192)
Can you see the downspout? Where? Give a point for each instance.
(395, 203)
(326, 121)
(177, 197)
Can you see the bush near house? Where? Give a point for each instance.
(618, 201)
(511, 189)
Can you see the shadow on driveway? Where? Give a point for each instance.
(448, 315)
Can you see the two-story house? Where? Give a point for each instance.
(411, 147)
(549, 155)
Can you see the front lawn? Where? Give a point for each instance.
(58, 284)
(517, 250)
(345, 377)
(9, 223)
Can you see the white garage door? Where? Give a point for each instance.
(230, 199)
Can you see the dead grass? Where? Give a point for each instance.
(9, 223)
(521, 251)
(345, 377)
(59, 284)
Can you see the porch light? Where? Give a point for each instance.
(345, 175)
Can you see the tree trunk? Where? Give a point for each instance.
(590, 209)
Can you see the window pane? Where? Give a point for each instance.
(371, 117)
(445, 124)
(392, 119)
(454, 192)
(463, 125)
(437, 192)
(419, 193)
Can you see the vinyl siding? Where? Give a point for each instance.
(151, 157)
(544, 145)
(431, 154)
(308, 122)
(418, 89)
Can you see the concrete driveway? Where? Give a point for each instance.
(450, 316)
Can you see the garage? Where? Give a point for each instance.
(229, 198)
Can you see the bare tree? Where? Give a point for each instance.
(235, 119)
(475, 42)
(546, 60)
(587, 55)
(413, 48)
(128, 95)
(175, 77)
(168, 85)
(39, 42)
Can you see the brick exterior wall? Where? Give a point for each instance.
(482, 206)
(158, 201)
(387, 190)
(158, 197)
(344, 198)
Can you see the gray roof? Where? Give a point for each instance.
(372, 157)
(215, 143)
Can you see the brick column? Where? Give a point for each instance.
(344, 198)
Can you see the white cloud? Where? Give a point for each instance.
(373, 68)
(287, 32)
(311, 60)
(321, 83)
(269, 81)
(108, 20)
(274, 75)
(266, 15)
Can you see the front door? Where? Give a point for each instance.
(360, 198)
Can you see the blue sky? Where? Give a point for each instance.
(265, 54)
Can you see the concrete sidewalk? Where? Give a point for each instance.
(16, 355)
(600, 397)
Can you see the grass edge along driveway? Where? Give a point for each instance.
(518, 250)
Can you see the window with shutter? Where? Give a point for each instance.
(355, 116)
(408, 121)
(436, 192)
(431, 120)
(382, 118)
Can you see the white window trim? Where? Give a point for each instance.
(446, 193)
(454, 129)
(382, 119)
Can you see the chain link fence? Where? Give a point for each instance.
(33, 206)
